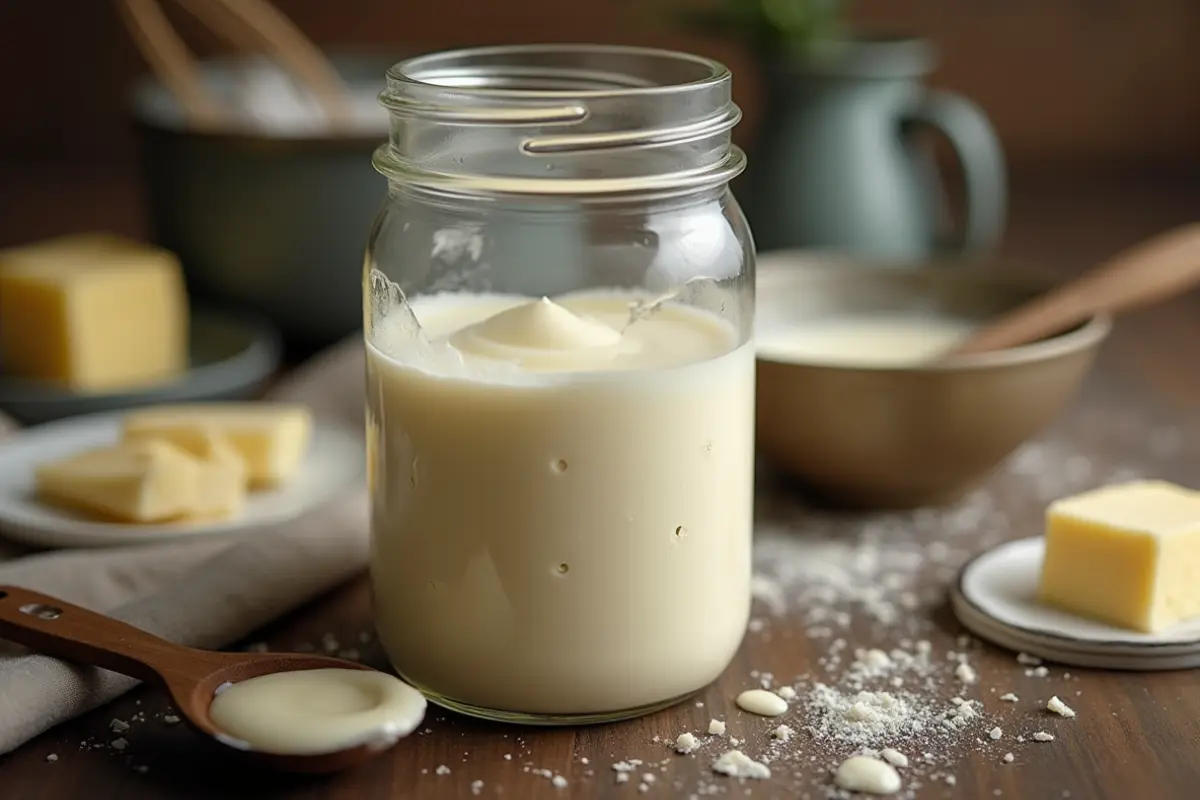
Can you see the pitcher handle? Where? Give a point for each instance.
(978, 150)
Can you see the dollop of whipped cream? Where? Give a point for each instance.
(541, 335)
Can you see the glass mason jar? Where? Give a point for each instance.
(559, 303)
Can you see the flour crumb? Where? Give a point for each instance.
(171, 719)
(737, 764)
(716, 727)
(118, 744)
(787, 693)
(1059, 707)
(995, 733)
(1037, 672)
(876, 659)
(894, 757)
(476, 787)
(622, 777)
(442, 770)
(559, 782)
(685, 744)
(584, 760)
(118, 726)
(866, 774)
(1008, 758)
(508, 756)
(733, 740)
(1027, 660)
(1009, 697)
(1042, 736)
(782, 733)
(951, 780)
(762, 702)
(965, 673)
(648, 778)
(52, 757)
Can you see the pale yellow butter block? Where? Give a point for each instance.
(222, 480)
(93, 312)
(1128, 555)
(271, 438)
(150, 481)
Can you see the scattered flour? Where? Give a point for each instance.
(686, 743)
(737, 764)
(1059, 707)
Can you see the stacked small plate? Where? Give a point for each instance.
(995, 597)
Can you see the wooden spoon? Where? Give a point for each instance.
(249, 25)
(1153, 271)
(65, 631)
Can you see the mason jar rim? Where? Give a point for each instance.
(481, 63)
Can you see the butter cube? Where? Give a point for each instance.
(1128, 555)
(149, 481)
(93, 312)
(270, 438)
(222, 481)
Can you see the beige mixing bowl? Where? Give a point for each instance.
(901, 437)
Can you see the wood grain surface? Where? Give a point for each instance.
(1135, 736)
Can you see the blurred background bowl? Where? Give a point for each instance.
(275, 221)
(902, 437)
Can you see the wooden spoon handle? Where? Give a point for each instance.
(256, 24)
(56, 628)
(171, 61)
(1155, 270)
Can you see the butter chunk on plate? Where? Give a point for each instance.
(1127, 554)
(270, 438)
(333, 463)
(1113, 584)
(93, 312)
(149, 481)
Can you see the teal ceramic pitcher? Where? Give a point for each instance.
(836, 165)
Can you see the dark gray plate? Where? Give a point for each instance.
(231, 359)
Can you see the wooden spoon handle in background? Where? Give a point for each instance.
(56, 628)
(1155, 270)
(248, 25)
(171, 61)
(257, 25)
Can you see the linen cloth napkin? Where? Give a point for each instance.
(204, 593)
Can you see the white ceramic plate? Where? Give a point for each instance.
(995, 598)
(334, 462)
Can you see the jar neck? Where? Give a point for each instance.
(560, 120)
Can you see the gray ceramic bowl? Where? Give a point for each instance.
(906, 436)
(275, 224)
(232, 358)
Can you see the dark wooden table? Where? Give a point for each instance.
(1136, 735)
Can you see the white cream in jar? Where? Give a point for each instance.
(562, 500)
(316, 711)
